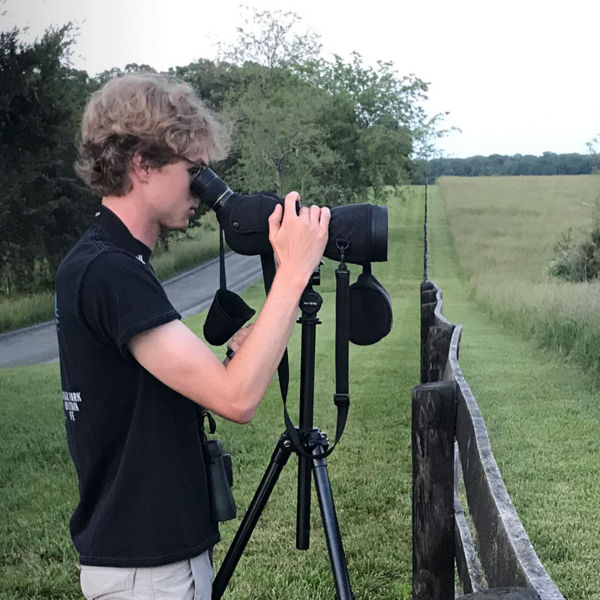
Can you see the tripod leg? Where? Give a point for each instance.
(341, 578)
(278, 460)
(303, 509)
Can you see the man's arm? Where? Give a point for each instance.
(178, 358)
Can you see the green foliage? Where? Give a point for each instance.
(213, 81)
(101, 78)
(369, 120)
(43, 206)
(548, 163)
(594, 151)
(279, 142)
(577, 262)
(337, 132)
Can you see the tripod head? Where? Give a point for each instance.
(311, 301)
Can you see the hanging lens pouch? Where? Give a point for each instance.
(228, 312)
(370, 309)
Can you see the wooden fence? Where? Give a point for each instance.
(482, 548)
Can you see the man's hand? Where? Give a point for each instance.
(299, 240)
(235, 343)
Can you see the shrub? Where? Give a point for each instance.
(577, 262)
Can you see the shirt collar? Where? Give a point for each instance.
(118, 232)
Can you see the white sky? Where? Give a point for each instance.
(517, 76)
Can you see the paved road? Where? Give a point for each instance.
(190, 293)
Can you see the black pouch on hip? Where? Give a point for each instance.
(219, 470)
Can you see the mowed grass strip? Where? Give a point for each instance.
(542, 413)
(370, 470)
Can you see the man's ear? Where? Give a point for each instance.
(139, 168)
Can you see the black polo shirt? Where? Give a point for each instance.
(136, 443)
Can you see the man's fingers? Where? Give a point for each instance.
(275, 219)
(291, 200)
(239, 337)
(315, 212)
(324, 218)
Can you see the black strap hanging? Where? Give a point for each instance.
(283, 370)
(222, 276)
(341, 397)
(342, 343)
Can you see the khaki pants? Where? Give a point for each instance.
(183, 580)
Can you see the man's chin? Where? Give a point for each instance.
(177, 226)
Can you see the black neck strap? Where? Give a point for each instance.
(222, 276)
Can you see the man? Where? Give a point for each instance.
(132, 373)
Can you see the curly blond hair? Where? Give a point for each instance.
(155, 116)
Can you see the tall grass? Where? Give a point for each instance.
(21, 311)
(504, 230)
(185, 252)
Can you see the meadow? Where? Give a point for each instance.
(489, 239)
(504, 230)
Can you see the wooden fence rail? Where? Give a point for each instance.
(484, 543)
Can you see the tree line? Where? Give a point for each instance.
(548, 163)
(337, 131)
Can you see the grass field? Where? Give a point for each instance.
(504, 230)
(542, 412)
(370, 470)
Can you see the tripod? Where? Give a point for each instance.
(310, 460)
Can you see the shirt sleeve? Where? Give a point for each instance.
(121, 297)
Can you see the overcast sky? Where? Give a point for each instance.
(516, 76)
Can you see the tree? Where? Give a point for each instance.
(43, 206)
(594, 150)
(280, 141)
(372, 119)
(273, 40)
(101, 78)
(340, 131)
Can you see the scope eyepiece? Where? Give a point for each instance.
(211, 189)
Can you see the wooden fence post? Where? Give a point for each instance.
(428, 304)
(433, 420)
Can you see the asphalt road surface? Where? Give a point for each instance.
(190, 293)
